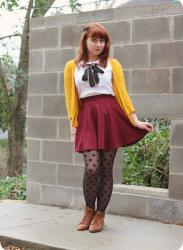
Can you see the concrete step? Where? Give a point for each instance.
(45, 227)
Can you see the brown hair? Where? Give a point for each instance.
(98, 31)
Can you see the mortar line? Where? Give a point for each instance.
(74, 48)
(141, 68)
(149, 16)
(171, 25)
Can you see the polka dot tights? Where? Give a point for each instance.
(98, 177)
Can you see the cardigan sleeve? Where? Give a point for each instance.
(127, 99)
(67, 87)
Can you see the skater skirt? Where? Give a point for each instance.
(102, 125)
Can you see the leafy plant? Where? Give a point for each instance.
(13, 188)
(147, 162)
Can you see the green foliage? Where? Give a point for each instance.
(9, 4)
(9, 71)
(147, 162)
(74, 4)
(13, 188)
(3, 113)
(15, 78)
(3, 143)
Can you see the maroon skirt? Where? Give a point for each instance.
(103, 125)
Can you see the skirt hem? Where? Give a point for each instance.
(102, 125)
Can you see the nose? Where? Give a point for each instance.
(98, 43)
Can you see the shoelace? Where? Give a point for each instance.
(85, 219)
(91, 74)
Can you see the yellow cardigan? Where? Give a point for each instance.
(73, 103)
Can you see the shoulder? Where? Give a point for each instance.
(115, 62)
(70, 64)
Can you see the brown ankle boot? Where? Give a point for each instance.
(97, 223)
(86, 220)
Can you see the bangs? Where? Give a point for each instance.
(98, 32)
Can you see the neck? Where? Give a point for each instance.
(92, 58)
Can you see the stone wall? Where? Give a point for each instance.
(148, 41)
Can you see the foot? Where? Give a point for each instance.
(86, 220)
(97, 223)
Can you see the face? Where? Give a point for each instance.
(95, 45)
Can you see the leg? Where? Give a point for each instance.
(90, 180)
(106, 179)
(90, 186)
(106, 186)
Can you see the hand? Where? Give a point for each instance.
(73, 137)
(145, 125)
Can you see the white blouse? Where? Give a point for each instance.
(103, 87)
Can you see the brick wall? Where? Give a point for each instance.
(148, 41)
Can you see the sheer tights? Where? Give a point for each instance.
(98, 177)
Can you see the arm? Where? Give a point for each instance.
(120, 89)
(73, 132)
(67, 88)
(143, 125)
(129, 104)
(134, 117)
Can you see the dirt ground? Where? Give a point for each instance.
(11, 247)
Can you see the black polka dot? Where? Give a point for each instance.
(99, 166)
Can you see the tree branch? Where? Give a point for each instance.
(41, 7)
(9, 36)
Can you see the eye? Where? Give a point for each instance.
(93, 39)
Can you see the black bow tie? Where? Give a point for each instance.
(91, 74)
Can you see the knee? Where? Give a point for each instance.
(92, 171)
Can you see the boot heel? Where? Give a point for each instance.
(97, 224)
(86, 220)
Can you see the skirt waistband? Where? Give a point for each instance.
(94, 98)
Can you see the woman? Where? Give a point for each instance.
(102, 119)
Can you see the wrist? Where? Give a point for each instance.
(73, 131)
(134, 117)
(137, 123)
